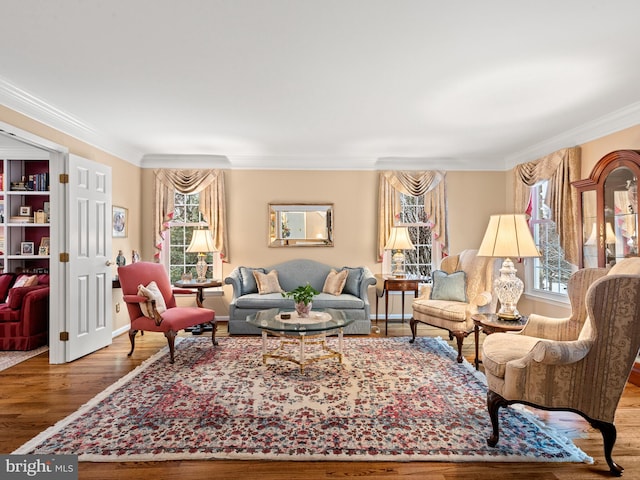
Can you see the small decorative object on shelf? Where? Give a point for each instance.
(44, 246)
(302, 297)
(25, 211)
(26, 248)
(39, 216)
(135, 256)
(121, 260)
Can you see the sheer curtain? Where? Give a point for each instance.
(429, 183)
(210, 185)
(560, 168)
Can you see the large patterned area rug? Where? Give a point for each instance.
(389, 400)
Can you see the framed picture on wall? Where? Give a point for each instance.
(119, 222)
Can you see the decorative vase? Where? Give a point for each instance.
(303, 310)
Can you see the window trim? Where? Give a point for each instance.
(552, 298)
(165, 253)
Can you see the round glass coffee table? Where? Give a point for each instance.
(303, 339)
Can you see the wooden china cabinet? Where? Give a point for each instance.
(608, 212)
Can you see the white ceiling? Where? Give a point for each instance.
(337, 84)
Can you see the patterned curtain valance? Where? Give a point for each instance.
(429, 183)
(210, 185)
(560, 169)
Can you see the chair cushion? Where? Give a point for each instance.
(151, 292)
(267, 282)
(449, 286)
(445, 309)
(335, 282)
(500, 348)
(247, 280)
(175, 319)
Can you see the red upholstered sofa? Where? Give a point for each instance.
(24, 313)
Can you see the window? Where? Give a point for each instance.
(549, 273)
(186, 218)
(412, 215)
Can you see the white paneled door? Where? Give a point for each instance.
(88, 296)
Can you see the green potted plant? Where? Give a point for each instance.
(302, 296)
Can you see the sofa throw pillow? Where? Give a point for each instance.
(22, 281)
(352, 285)
(449, 286)
(267, 282)
(152, 292)
(247, 280)
(335, 281)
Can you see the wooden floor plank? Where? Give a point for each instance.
(35, 395)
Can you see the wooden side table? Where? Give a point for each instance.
(386, 284)
(491, 323)
(199, 286)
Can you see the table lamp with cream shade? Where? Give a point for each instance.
(201, 243)
(508, 236)
(399, 240)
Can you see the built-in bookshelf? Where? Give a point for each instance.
(24, 216)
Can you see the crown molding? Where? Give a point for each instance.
(165, 160)
(33, 107)
(621, 119)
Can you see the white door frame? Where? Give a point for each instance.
(58, 156)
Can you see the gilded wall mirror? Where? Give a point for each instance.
(300, 225)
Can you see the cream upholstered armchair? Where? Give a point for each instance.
(580, 363)
(453, 297)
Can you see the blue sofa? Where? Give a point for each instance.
(353, 300)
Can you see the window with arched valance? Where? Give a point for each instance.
(430, 184)
(559, 169)
(209, 184)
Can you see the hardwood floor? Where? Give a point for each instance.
(35, 395)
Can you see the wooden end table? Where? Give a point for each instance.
(491, 323)
(388, 283)
(199, 286)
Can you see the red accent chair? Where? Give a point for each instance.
(24, 313)
(169, 322)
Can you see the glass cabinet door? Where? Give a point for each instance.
(590, 230)
(620, 215)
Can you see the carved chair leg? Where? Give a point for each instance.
(132, 339)
(494, 402)
(609, 435)
(214, 327)
(171, 339)
(460, 339)
(413, 324)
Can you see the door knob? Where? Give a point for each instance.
(108, 263)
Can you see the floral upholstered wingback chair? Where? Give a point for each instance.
(461, 288)
(580, 363)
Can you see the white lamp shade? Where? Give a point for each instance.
(508, 236)
(201, 242)
(399, 239)
(593, 238)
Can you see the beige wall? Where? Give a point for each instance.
(473, 196)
